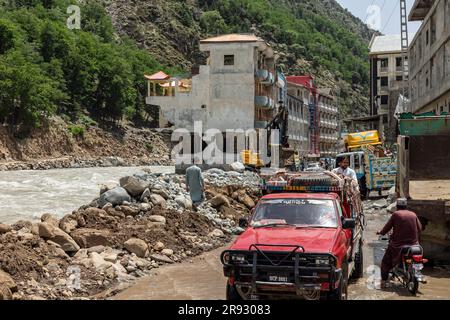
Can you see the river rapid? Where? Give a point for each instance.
(26, 195)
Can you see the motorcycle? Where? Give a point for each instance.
(409, 270)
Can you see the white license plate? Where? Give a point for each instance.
(278, 279)
(418, 266)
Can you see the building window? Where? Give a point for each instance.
(384, 100)
(384, 63)
(427, 37)
(399, 78)
(384, 81)
(398, 62)
(433, 28)
(228, 60)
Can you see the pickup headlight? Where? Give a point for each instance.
(230, 257)
(239, 258)
(325, 261)
(226, 257)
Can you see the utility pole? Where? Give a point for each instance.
(405, 44)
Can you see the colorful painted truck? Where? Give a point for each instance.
(424, 178)
(375, 170)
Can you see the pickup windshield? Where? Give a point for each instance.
(296, 212)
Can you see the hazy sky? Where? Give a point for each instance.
(389, 17)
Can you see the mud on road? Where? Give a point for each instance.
(202, 278)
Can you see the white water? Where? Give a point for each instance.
(26, 195)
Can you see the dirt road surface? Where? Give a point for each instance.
(199, 279)
(202, 277)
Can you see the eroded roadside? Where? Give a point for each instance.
(105, 246)
(201, 278)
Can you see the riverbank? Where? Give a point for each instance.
(122, 235)
(58, 146)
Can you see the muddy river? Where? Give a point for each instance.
(29, 194)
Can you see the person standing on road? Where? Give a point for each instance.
(194, 183)
(406, 230)
(345, 170)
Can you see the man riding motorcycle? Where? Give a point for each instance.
(406, 230)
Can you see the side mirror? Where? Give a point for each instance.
(243, 223)
(348, 223)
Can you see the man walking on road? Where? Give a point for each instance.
(194, 183)
(406, 230)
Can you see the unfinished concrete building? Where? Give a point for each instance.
(238, 88)
(386, 80)
(429, 58)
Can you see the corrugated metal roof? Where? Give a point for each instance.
(157, 76)
(233, 38)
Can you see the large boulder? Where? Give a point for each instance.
(145, 195)
(137, 246)
(229, 212)
(219, 200)
(55, 234)
(161, 258)
(163, 193)
(238, 167)
(133, 186)
(157, 219)
(68, 223)
(87, 238)
(157, 200)
(245, 199)
(128, 211)
(183, 202)
(4, 228)
(5, 293)
(116, 196)
(7, 281)
(113, 162)
(50, 219)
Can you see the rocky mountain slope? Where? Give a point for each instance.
(311, 36)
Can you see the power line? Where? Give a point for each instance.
(382, 7)
(390, 17)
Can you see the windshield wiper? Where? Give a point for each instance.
(318, 227)
(275, 225)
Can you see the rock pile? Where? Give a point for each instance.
(132, 227)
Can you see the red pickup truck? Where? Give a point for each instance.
(296, 245)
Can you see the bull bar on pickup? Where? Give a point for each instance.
(288, 273)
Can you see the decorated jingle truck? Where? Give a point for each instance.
(375, 170)
(303, 240)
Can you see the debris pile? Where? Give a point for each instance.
(136, 225)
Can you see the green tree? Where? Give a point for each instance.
(212, 23)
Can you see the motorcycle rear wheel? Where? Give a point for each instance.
(413, 285)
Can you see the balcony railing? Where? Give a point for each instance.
(265, 77)
(263, 102)
(384, 69)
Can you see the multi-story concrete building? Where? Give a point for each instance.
(385, 72)
(238, 88)
(429, 58)
(298, 100)
(328, 123)
(313, 118)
